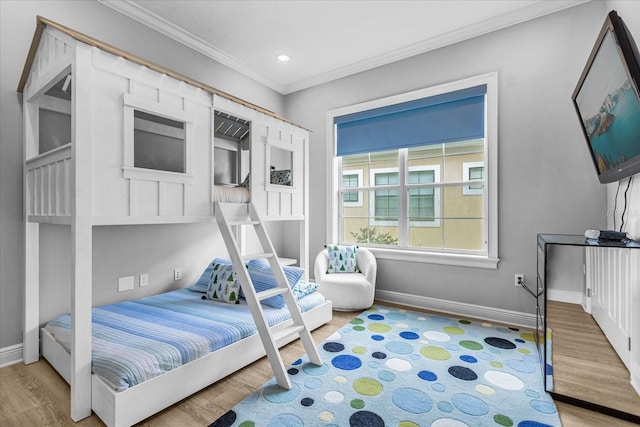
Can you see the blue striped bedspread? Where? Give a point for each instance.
(134, 341)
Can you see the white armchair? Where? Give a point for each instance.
(348, 291)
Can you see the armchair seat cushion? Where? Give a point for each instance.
(348, 291)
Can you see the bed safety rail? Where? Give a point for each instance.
(48, 186)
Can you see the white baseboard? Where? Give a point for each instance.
(564, 296)
(10, 355)
(491, 314)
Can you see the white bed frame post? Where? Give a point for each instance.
(81, 232)
(31, 330)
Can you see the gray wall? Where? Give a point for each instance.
(546, 183)
(119, 251)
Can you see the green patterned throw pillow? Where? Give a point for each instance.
(342, 259)
(224, 285)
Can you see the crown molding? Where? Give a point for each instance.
(519, 16)
(151, 20)
(535, 10)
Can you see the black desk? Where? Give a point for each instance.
(544, 242)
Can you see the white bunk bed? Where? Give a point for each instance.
(97, 168)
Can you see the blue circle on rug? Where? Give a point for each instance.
(469, 359)
(408, 335)
(427, 376)
(365, 419)
(315, 370)
(445, 407)
(532, 393)
(500, 343)
(520, 340)
(375, 317)
(288, 420)
(543, 407)
(463, 373)
(276, 394)
(529, 423)
(412, 400)
(377, 337)
(399, 347)
(226, 420)
(437, 387)
(379, 355)
(312, 383)
(396, 316)
(292, 371)
(297, 362)
(470, 405)
(521, 366)
(386, 376)
(549, 370)
(307, 401)
(333, 347)
(346, 362)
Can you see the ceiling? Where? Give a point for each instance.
(326, 39)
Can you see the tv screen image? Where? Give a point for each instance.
(608, 103)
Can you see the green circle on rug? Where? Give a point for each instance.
(471, 345)
(379, 327)
(367, 386)
(359, 350)
(408, 424)
(357, 403)
(358, 328)
(454, 330)
(435, 353)
(503, 420)
(247, 424)
(357, 321)
(528, 337)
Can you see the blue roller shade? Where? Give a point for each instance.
(449, 117)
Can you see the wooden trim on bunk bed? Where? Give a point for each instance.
(42, 22)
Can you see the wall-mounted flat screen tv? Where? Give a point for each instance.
(607, 100)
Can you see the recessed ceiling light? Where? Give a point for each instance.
(282, 57)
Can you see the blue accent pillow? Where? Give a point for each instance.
(263, 279)
(203, 282)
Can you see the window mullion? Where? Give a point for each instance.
(403, 198)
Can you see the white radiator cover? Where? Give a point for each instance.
(613, 298)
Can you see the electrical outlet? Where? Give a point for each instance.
(177, 273)
(144, 280)
(518, 280)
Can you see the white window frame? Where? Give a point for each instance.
(132, 103)
(403, 187)
(485, 259)
(359, 203)
(467, 190)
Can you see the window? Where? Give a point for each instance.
(472, 171)
(425, 192)
(158, 141)
(350, 179)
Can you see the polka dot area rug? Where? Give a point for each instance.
(393, 367)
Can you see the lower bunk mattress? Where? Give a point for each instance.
(134, 341)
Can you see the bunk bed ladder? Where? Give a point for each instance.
(230, 215)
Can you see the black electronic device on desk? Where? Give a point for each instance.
(609, 238)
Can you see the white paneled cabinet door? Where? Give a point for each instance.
(611, 280)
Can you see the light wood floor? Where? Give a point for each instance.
(35, 395)
(585, 365)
